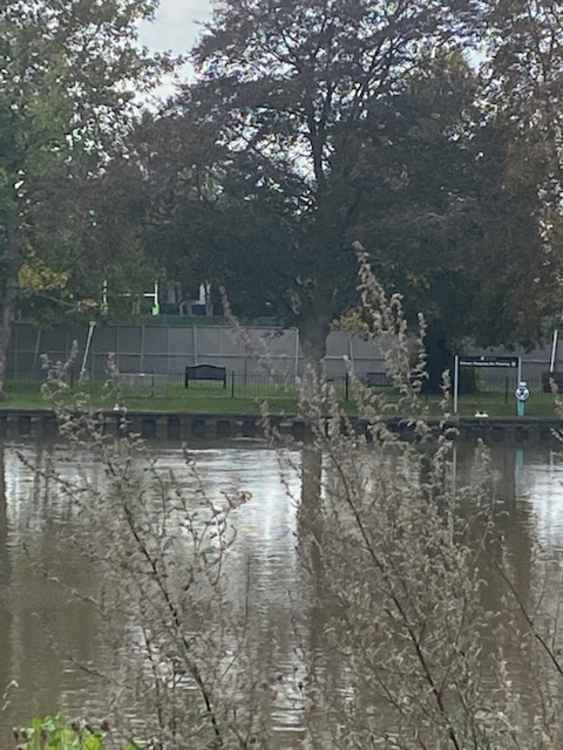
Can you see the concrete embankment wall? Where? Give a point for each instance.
(42, 423)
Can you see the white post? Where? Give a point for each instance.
(105, 304)
(87, 349)
(156, 307)
(554, 350)
(456, 382)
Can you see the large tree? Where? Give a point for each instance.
(316, 124)
(171, 171)
(69, 75)
(524, 91)
(286, 88)
(451, 226)
(525, 84)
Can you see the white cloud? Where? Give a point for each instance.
(177, 25)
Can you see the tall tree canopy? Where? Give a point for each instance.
(69, 73)
(288, 89)
(524, 86)
(310, 125)
(319, 122)
(525, 82)
(453, 227)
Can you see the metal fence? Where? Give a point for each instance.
(532, 369)
(251, 385)
(163, 352)
(166, 351)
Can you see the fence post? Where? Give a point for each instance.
(35, 352)
(167, 350)
(347, 386)
(232, 383)
(116, 346)
(16, 351)
(506, 390)
(142, 348)
(93, 363)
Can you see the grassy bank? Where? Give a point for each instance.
(200, 398)
(211, 398)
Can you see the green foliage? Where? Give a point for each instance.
(313, 125)
(69, 76)
(395, 548)
(55, 733)
(286, 103)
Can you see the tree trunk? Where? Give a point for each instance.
(313, 332)
(8, 309)
(309, 516)
(440, 357)
(5, 567)
(8, 306)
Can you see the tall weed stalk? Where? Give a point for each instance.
(398, 642)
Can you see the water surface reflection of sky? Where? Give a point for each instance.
(43, 636)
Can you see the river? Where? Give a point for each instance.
(47, 638)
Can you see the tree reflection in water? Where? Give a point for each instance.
(301, 636)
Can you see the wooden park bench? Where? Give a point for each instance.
(206, 372)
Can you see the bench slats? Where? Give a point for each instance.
(205, 372)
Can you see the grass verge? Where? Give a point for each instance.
(211, 398)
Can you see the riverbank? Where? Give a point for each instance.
(181, 426)
(213, 399)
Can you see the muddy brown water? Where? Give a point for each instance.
(44, 638)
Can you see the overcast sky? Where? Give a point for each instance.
(176, 25)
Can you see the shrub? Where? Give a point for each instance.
(392, 550)
(54, 733)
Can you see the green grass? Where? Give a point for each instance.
(210, 398)
(200, 398)
(493, 403)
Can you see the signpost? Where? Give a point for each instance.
(481, 360)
